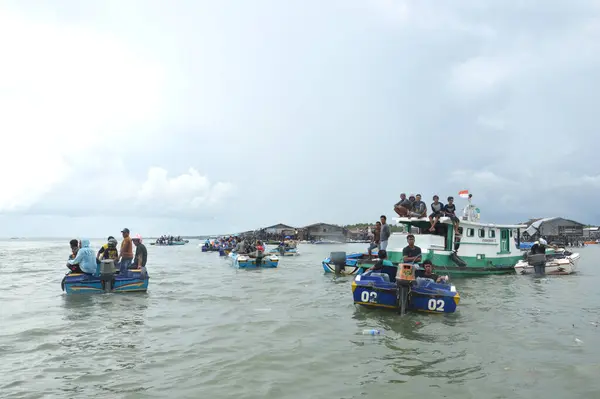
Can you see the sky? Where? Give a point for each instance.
(206, 117)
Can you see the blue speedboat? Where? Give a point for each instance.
(381, 290)
(243, 261)
(135, 280)
(525, 245)
(356, 263)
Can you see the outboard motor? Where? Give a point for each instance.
(339, 260)
(404, 280)
(538, 261)
(107, 274)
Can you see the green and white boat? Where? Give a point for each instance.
(483, 248)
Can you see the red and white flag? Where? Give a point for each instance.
(463, 194)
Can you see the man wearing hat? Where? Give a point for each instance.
(126, 251)
(141, 253)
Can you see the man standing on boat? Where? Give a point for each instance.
(126, 251)
(411, 253)
(376, 239)
(385, 233)
(539, 247)
(141, 253)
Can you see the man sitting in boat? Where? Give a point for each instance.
(419, 209)
(411, 253)
(403, 206)
(428, 272)
(109, 251)
(383, 261)
(74, 244)
(100, 254)
(437, 208)
(258, 251)
(86, 258)
(450, 211)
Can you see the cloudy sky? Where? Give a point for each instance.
(200, 117)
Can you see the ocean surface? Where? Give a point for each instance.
(207, 330)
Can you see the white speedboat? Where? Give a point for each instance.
(558, 261)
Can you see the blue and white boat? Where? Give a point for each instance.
(135, 280)
(381, 290)
(244, 261)
(356, 263)
(284, 252)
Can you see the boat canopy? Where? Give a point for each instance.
(535, 226)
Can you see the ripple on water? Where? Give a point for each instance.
(207, 329)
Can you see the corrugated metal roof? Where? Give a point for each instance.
(535, 226)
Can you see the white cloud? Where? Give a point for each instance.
(65, 92)
(510, 107)
(492, 122)
(185, 194)
(481, 74)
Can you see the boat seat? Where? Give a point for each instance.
(384, 276)
(390, 271)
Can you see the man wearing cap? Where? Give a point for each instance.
(126, 251)
(141, 253)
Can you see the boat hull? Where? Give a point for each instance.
(563, 266)
(246, 262)
(287, 252)
(356, 263)
(424, 296)
(81, 283)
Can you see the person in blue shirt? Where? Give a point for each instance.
(86, 258)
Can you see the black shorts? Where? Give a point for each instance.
(453, 218)
(436, 214)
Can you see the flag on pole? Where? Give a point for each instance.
(463, 194)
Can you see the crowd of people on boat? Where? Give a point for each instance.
(168, 239)
(414, 207)
(221, 243)
(83, 259)
(411, 254)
